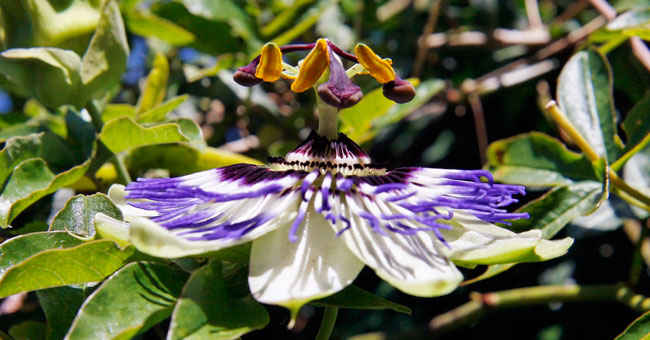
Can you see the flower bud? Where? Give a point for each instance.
(399, 91)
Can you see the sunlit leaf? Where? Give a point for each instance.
(124, 134)
(78, 215)
(182, 159)
(88, 262)
(637, 330)
(375, 112)
(114, 111)
(584, 92)
(630, 19)
(34, 72)
(209, 307)
(158, 113)
(105, 59)
(149, 25)
(536, 160)
(132, 300)
(155, 86)
(18, 249)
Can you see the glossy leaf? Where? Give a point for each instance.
(227, 11)
(209, 307)
(630, 19)
(18, 249)
(88, 262)
(206, 32)
(637, 330)
(536, 160)
(105, 59)
(158, 113)
(34, 72)
(28, 330)
(78, 215)
(357, 298)
(584, 93)
(637, 129)
(550, 213)
(182, 159)
(149, 25)
(114, 111)
(30, 181)
(124, 134)
(155, 86)
(375, 112)
(132, 300)
(61, 305)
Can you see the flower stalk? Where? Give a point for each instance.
(327, 325)
(327, 120)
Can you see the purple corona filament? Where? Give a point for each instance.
(337, 179)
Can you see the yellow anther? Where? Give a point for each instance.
(379, 68)
(270, 65)
(312, 67)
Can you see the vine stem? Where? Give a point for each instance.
(583, 144)
(480, 304)
(327, 325)
(103, 152)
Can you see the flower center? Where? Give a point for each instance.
(336, 156)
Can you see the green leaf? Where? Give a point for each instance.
(305, 22)
(631, 19)
(227, 11)
(375, 112)
(357, 298)
(637, 129)
(88, 262)
(114, 111)
(182, 159)
(105, 59)
(18, 249)
(34, 72)
(29, 330)
(155, 86)
(209, 308)
(205, 31)
(78, 215)
(131, 301)
(60, 305)
(42, 145)
(62, 23)
(584, 92)
(124, 134)
(536, 160)
(30, 181)
(637, 330)
(159, 112)
(550, 213)
(149, 25)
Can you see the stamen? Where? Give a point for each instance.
(312, 68)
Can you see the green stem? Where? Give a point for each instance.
(591, 154)
(327, 325)
(327, 120)
(481, 304)
(122, 173)
(103, 154)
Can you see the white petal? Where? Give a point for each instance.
(412, 263)
(117, 194)
(473, 241)
(151, 238)
(291, 274)
(112, 229)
